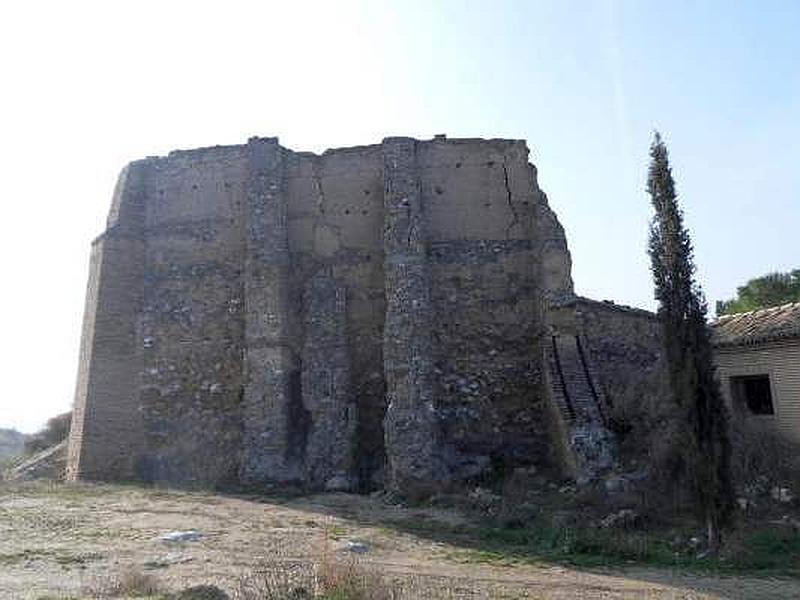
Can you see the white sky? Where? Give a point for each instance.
(88, 86)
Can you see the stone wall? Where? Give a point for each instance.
(107, 432)
(625, 359)
(369, 316)
(335, 212)
(483, 209)
(625, 345)
(191, 330)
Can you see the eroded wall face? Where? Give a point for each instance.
(335, 211)
(191, 319)
(627, 348)
(364, 317)
(480, 201)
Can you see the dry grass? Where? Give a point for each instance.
(333, 579)
(56, 539)
(129, 583)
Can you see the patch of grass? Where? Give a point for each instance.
(13, 558)
(63, 558)
(767, 549)
(484, 557)
(335, 532)
(79, 559)
(764, 551)
(66, 492)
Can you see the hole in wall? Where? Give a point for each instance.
(299, 419)
(458, 165)
(439, 190)
(366, 192)
(370, 450)
(490, 164)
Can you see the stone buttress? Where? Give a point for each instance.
(107, 433)
(412, 435)
(272, 385)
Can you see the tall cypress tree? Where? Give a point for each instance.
(705, 445)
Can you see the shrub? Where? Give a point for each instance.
(763, 455)
(54, 432)
(201, 592)
(329, 579)
(130, 583)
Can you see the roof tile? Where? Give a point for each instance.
(764, 325)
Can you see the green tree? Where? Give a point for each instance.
(703, 417)
(768, 290)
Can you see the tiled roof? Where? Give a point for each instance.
(767, 324)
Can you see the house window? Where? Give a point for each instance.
(754, 392)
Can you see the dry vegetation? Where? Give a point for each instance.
(63, 541)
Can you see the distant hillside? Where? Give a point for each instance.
(11, 443)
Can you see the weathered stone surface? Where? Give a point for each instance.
(274, 420)
(622, 362)
(367, 317)
(327, 396)
(413, 438)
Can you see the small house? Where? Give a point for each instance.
(758, 364)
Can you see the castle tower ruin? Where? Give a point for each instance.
(365, 317)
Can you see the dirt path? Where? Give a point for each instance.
(56, 540)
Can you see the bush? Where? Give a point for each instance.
(331, 578)
(763, 456)
(54, 432)
(327, 580)
(201, 592)
(130, 583)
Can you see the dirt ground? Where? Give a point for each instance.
(56, 540)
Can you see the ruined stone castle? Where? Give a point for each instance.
(398, 315)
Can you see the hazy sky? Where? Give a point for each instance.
(89, 86)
